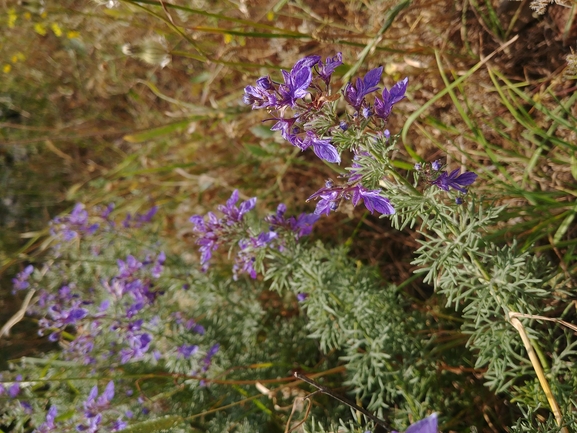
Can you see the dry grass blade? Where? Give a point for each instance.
(513, 318)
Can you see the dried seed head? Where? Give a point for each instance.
(571, 70)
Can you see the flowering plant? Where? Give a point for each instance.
(151, 342)
(306, 112)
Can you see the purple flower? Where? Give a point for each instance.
(128, 268)
(436, 165)
(301, 226)
(232, 213)
(48, 425)
(427, 425)
(287, 129)
(158, 265)
(373, 201)
(106, 213)
(331, 196)
(244, 261)
(307, 62)
(147, 217)
(383, 107)
(355, 93)
(61, 317)
(187, 350)
(26, 407)
(302, 296)
(14, 389)
(119, 424)
(297, 81)
(139, 344)
(329, 202)
(92, 426)
(209, 355)
(366, 112)
(325, 70)
(455, 180)
(322, 148)
(213, 231)
(93, 406)
(81, 348)
(21, 280)
(262, 95)
(69, 227)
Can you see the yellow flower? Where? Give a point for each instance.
(56, 29)
(227, 38)
(17, 57)
(7, 68)
(72, 34)
(12, 17)
(40, 29)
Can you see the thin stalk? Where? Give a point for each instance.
(538, 369)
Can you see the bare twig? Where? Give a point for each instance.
(343, 400)
(18, 316)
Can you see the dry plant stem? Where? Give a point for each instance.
(538, 369)
(18, 316)
(309, 406)
(343, 400)
(548, 319)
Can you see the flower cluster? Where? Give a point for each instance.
(304, 110)
(109, 303)
(231, 229)
(95, 417)
(71, 226)
(20, 282)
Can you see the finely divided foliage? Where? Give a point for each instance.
(150, 342)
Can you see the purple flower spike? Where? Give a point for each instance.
(383, 107)
(455, 180)
(326, 69)
(427, 425)
(355, 94)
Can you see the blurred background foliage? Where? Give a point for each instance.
(141, 101)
